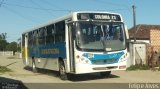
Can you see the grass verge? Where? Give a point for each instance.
(138, 67)
(4, 69)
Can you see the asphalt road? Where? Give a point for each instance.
(50, 79)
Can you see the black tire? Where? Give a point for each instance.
(62, 72)
(105, 74)
(34, 69)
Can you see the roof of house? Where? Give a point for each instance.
(142, 31)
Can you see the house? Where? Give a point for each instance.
(146, 33)
(144, 40)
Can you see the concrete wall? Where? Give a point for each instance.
(6, 53)
(137, 53)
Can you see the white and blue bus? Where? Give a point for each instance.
(78, 43)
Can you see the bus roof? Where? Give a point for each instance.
(64, 18)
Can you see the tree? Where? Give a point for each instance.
(3, 41)
(12, 47)
(3, 36)
(3, 44)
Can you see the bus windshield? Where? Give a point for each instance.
(100, 36)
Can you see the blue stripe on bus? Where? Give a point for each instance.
(104, 58)
(48, 51)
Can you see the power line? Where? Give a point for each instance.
(36, 8)
(110, 3)
(114, 10)
(113, 4)
(48, 3)
(58, 10)
(39, 6)
(20, 15)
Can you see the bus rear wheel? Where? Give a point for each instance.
(105, 74)
(62, 71)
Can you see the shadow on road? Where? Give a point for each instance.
(86, 77)
(44, 71)
(72, 77)
(7, 83)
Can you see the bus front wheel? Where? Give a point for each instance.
(62, 71)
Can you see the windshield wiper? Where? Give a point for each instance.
(103, 39)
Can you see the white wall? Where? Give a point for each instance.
(6, 53)
(137, 53)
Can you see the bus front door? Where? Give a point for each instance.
(71, 47)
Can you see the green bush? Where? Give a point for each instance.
(4, 69)
(138, 67)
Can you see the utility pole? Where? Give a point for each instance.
(134, 15)
(134, 21)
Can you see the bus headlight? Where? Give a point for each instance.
(85, 60)
(124, 58)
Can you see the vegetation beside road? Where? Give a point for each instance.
(9, 46)
(138, 67)
(4, 69)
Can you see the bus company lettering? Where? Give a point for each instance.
(105, 17)
(50, 51)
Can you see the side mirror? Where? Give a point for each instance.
(126, 31)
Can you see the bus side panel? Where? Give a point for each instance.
(47, 63)
(46, 56)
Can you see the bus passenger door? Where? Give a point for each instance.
(71, 46)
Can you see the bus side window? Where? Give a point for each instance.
(50, 34)
(37, 37)
(34, 37)
(60, 32)
(23, 40)
(41, 38)
(30, 39)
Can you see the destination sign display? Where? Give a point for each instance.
(99, 16)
